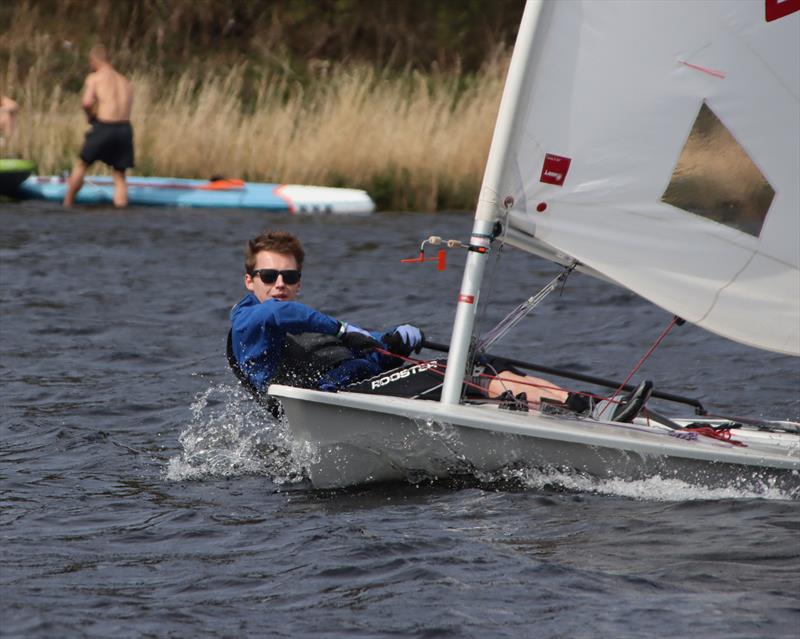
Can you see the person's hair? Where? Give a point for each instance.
(276, 241)
(99, 53)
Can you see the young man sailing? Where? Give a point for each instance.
(274, 339)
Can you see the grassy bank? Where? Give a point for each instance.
(414, 141)
(398, 98)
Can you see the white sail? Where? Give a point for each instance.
(658, 143)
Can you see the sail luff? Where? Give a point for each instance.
(487, 209)
(509, 113)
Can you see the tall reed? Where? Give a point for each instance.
(414, 141)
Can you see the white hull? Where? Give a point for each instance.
(351, 439)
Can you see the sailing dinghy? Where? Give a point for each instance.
(655, 145)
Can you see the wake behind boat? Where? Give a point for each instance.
(653, 145)
(214, 193)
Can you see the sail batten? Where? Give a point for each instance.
(658, 144)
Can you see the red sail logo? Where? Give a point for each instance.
(775, 9)
(554, 170)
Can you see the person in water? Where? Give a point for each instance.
(276, 339)
(107, 101)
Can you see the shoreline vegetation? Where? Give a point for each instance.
(415, 137)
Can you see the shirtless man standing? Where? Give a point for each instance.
(107, 100)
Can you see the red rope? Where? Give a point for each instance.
(411, 360)
(723, 434)
(660, 338)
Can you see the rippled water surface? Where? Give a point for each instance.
(144, 495)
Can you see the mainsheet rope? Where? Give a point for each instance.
(720, 433)
(611, 400)
(675, 320)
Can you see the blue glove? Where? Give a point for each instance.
(412, 337)
(404, 340)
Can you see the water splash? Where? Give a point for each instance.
(650, 489)
(231, 435)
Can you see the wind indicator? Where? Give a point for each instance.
(441, 254)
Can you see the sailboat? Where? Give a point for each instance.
(655, 145)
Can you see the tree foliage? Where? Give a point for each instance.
(172, 34)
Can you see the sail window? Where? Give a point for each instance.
(716, 179)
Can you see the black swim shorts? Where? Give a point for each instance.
(109, 142)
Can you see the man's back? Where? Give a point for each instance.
(107, 100)
(113, 92)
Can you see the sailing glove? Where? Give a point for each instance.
(404, 340)
(357, 339)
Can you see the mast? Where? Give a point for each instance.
(487, 210)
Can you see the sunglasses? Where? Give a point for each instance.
(270, 275)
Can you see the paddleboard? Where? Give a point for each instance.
(216, 193)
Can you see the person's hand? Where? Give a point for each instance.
(404, 340)
(357, 339)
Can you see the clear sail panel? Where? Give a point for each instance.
(715, 178)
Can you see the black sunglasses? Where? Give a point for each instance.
(270, 275)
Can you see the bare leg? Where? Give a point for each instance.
(534, 387)
(120, 189)
(75, 182)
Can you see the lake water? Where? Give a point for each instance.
(143, 495)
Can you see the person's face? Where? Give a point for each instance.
(279, 289)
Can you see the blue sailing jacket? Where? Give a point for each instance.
(258, 331)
